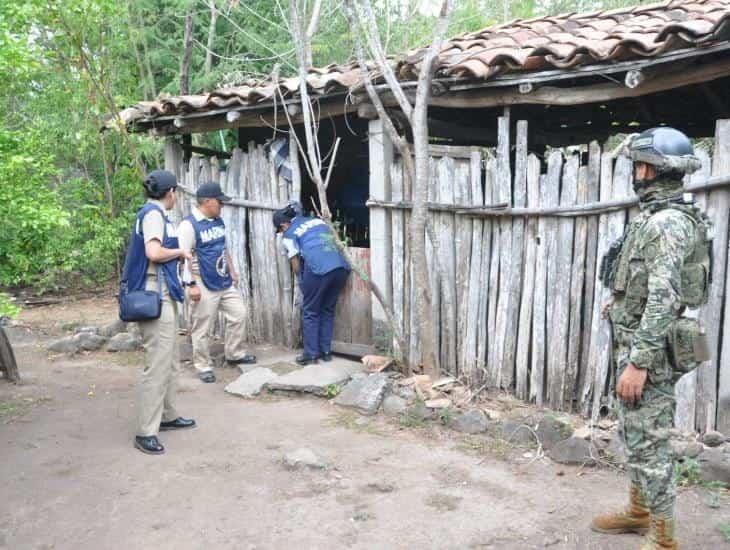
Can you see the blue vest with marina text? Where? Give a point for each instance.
(316, 245)
(210, 249)
(136, 262)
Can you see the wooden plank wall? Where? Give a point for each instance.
(517, 301)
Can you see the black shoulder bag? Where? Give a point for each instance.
(141, 305)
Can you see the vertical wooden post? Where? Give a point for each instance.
(718, 208)
(517, 256)
(615, 228)
(296, 173)
(559, 286)
(594, 190)
(381, 159)
(528, 291)
(497, 369)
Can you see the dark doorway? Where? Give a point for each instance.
(348, 189)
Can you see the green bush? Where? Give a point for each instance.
(51, 230)
(31, 213)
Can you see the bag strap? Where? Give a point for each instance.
(159, 282)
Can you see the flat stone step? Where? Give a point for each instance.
(317, 378)
(251, 383)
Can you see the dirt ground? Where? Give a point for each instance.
(70, 478)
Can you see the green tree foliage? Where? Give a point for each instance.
(68, 192)
(60, 217)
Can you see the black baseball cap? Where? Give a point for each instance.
(211, 190)
(159, 181)
(281, 216)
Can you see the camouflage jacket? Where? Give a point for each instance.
(647, 283)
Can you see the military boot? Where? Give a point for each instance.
(633, 519)
(661, 535)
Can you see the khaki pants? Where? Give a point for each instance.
(204, 312)
(158, 383)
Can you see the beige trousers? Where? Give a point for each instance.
(158, 383)
(204, 312)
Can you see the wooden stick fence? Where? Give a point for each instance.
(513, 262)
(266, 284)
(517, 300)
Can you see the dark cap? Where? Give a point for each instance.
(158, 182)
(211, 190)
(283, 215)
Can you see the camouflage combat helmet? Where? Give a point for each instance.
(668, 150)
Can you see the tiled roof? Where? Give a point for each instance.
(562, 41)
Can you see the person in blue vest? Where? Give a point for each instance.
(213, 286)
(322, 273)
(151, 263)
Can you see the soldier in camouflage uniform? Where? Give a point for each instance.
(660, 267)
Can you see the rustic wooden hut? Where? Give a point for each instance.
(520, 119)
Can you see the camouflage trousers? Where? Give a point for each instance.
(644, 427)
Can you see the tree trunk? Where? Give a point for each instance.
(145, 50)
(187, 51)
(138, 56)
(419, 213)
(211, 37)
(313, 159)
(8, 365)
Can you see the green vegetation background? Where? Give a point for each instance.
(68, 192)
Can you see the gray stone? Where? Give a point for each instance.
(615, 451)
(470, 422)
(64, 345)
(573, 451)
(93, 329)
(713, 439)
(693, 449)
(584, 432)
(251, 383)
(364, 393)
(517, 432)
(186, 350)
(394, 405)
(551, 429)
(405, 392)
(418, 411)
(686, 449)
(714, 465)
(316, 379)
(303, 458)
(133, 328)
(89, 341)
(124, 341)
(217, 350)
(113, 328)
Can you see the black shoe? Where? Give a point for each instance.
(326, 356)
(149, 444)
(305, 360)
(207, 376)
(178, 424)
(245, 360)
